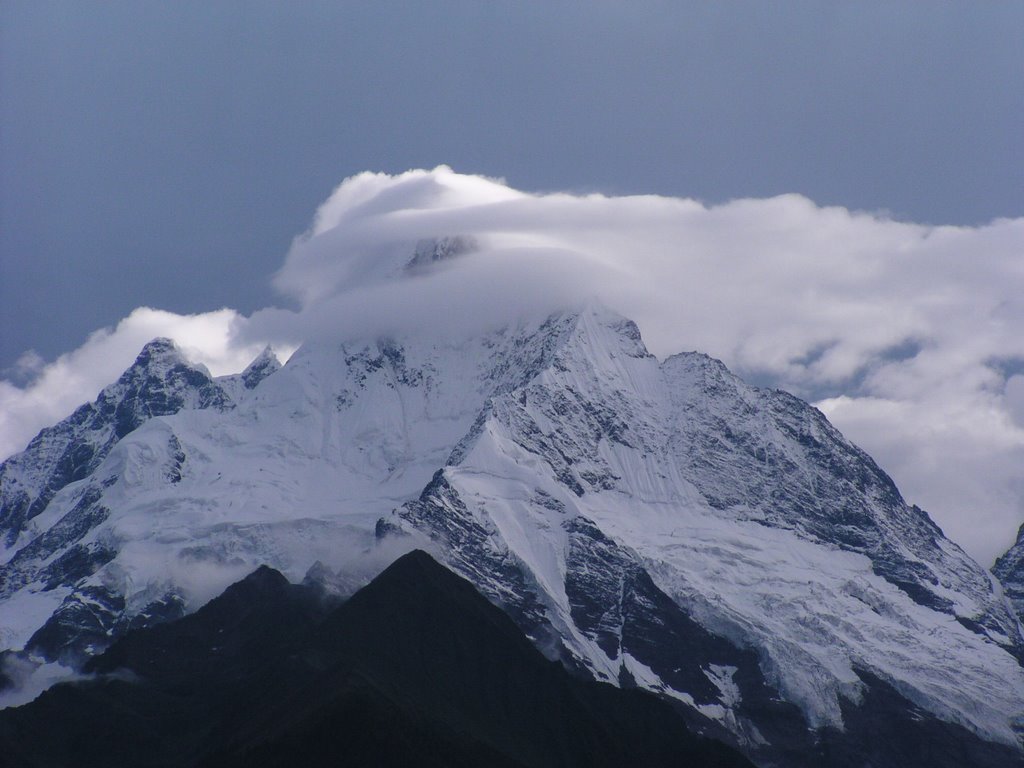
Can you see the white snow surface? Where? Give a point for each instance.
(304, 465)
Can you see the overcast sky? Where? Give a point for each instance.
(167, 154)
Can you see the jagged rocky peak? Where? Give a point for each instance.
(262, 366)
(160, 382)
(238, 386)
(1009, 569)
(159, 350)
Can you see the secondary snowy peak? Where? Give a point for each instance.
(160, 382)
(53, 505)
(1009, 569)
(265, 364)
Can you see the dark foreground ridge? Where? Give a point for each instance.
(417, 669)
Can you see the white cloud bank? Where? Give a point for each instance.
(910, 337)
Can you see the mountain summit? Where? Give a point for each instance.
(660, 525)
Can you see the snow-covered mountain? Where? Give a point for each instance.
(660, 524)
(56, 552)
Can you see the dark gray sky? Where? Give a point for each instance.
(165, 154)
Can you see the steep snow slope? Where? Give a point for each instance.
(746, 508)
(660, 524)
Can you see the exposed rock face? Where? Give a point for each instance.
(237, 385)
(1009, 569)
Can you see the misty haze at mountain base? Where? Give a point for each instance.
(908, 337)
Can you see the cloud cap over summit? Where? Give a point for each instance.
(910, 337)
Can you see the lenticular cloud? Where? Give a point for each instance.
(910, 337)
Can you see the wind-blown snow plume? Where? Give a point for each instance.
(910, 337)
